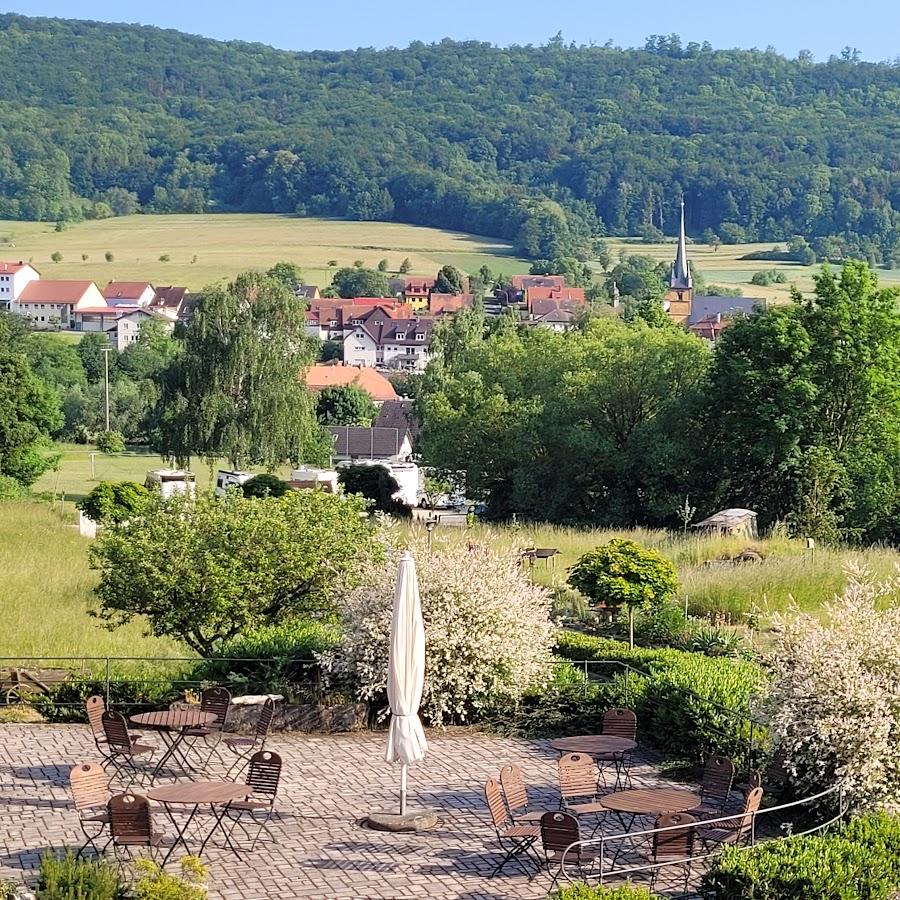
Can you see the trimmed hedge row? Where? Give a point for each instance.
(861, 862)
(600, 892)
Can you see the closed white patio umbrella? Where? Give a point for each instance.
(406, 674)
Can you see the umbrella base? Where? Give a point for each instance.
(414, 820)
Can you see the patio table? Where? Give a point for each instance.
(195, 794)
(653, 802)
(603, 745)
(173, 725)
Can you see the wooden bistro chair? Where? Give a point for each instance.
(515, 840)
(244, 746)
(619, 723)
(579, 780)
(217, 702)
(559, 830)
(90, 793)
(263, 778)
(131, 826)
(736, 829)
(715, 788)
(122, 748)
(516, 795)
(675, 847)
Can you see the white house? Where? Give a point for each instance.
(389, 344)
(13, 278)
(127, 327)
(129, 293)
(388, 447)
(49, 303)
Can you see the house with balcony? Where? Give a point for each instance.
(387, 343)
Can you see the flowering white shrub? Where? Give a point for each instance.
(834, 702)
(488, 633)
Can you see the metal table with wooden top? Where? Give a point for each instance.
(194, 794)
(173, 725)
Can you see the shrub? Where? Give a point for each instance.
(265, 485)
(114, 501)
(487, 631)
(833, 706)
(601, 892)
(665, 624)
(153, 883)
(687, 705)
(204, 571)
(11, 488)
(713, 641)
(110, 442)
(377, 485)
(62, 878)
(860, 863)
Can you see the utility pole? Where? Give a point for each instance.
(106, 351)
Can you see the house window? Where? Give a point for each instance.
(420, 337)
(357, 321)
(401, 335)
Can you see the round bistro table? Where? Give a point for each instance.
(653, 802)
(599, 745)
(195, 794)
(172, 725)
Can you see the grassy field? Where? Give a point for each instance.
(725, 266)
(788, 575)
(206, 248)
(45, 592)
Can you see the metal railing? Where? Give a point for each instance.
(599, 848)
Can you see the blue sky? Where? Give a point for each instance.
(823, 27)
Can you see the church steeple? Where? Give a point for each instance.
(681, 278)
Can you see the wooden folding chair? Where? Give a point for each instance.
(512, 781)
(131, 826)
(122, 748)
(244, 746)
(675, 847)
(515, 840)
(559, 831)
(263, 778)
(90, 793)
(579, 779)
(619, 723)
(736, 829)
(217, 702)
(715, 788)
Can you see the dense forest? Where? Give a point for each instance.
(547, 146)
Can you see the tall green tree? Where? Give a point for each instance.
(357, 281)
(29, 410)
(237, 390)
(345, 405)
(449, 280)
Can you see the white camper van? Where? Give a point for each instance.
(226, 479)
(171, 481)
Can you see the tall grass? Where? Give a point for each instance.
(46, 591)
(789, 574)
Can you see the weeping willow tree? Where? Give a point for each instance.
(237, 390)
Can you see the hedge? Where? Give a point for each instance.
(600, 892)
(861, 862)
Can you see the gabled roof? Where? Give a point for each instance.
(551, 293)
(541, 308)
(418, 285)
(13, 267)
(446, 303)
(366, 443)
(525, 282)
(169, 297)
(308, 291)
(49, 290)
(399, 414)
(373, 383)
(389, 331)
(729, 307)
(126, 290)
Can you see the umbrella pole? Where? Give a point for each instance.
(403, 771)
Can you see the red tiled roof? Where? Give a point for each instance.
(54, 291)
(126, 289)
(14, 266)
(445, 303)
(541, 308)
(550, 293)
(372, 382)
(524, 282)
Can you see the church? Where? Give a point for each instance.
(700, 313)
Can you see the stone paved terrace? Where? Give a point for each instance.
(329, 781)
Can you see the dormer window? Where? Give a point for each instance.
(420, 336)
(357, 321)
(401, 335)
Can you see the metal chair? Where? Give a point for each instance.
(131, 825)
(675, 847)
(122, 748)
(579, 779)
(263, 778)
(90, 792)
(515, 840)
(244, 746)
(559, 831)
(516, 795)
(715, 788)
(217, 702)
(619, 723)
(736, 829)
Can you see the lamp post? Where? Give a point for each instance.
(430, 522)
(106, 351)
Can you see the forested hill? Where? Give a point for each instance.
(542, 145)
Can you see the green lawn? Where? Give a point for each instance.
(206, 248)
(46, 592)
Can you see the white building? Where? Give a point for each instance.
(389, 344)
(50, 303)
(127, 327)
(13, 278)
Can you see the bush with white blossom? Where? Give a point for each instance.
(834, 703)
(488, 633)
